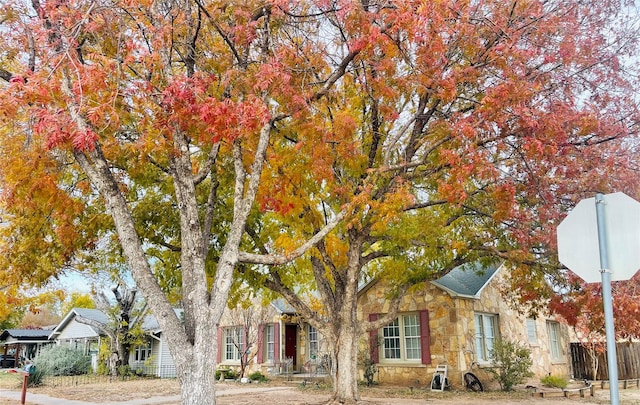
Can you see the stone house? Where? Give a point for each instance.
(454, 321)
(274, 339)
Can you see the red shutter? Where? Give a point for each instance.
(220, 345)
(373, 341)
(425, 344)
(276, 342)
(261, 343)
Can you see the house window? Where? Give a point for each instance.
(233, 340)
(314, 342)
(486, 334)
(531, 331)
(270, 342)
(555, 345)
(143, 352)
(401, 339)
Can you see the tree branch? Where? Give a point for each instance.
(98, 325)
(274, 259)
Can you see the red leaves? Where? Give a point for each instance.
(188, 104)
(58, 130)
(581, 306)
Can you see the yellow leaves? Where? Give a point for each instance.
(390, 209)
(316, 305)
(337, 249)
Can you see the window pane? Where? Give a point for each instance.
(313, 342)
(411, 326)
(228, 354)
(391, 335)
(270, 343)
(531, 330)
(412, 337)
(413, 348)
(239, 343)
(480, 354)
(486, 333)
(554, 340)
(489, 333)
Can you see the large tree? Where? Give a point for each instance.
(459, 131)
(433, 132)
(160, 113)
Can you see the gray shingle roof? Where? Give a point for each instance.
(468, 279)
(94, 314)
(25, 334)
(150, 323)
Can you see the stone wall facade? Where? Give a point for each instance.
(452, 333)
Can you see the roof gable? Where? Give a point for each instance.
(94, 314)
(467, 280)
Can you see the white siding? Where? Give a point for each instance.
(75, 330)
(161, 363)
(165, 361)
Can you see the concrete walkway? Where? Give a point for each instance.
(42, 399)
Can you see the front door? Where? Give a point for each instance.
(291, 342)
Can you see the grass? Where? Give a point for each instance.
(10, 381)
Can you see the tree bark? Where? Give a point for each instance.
(345, 365)
(197, 378)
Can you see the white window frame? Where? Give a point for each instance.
(401, 340)
(143, 352)
(555, 341)
(532, 331)
(487, 332)
(313, 341)
(233, 341)
(270, 343)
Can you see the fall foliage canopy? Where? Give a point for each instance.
(367, 138)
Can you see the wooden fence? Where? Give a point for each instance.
(628, 360)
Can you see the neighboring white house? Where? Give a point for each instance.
(152, 358)
(79, 335)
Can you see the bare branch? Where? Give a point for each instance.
(273, 259)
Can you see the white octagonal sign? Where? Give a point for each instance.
(578, 247)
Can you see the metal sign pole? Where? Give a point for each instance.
(607, 300)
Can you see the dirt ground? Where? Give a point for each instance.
(292, 393)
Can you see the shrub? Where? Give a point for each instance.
(62, 360)
(104, 352)
(511, 363)
(35, 377)
(257, 376)
(227, 374)
(369, 368)
(370, 371)
(126, 371)
(554, 381)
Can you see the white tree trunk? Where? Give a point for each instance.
(197, 379)
(345, 367)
